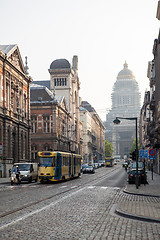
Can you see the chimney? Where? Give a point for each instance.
(75, 63)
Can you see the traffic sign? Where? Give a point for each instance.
(143, 153)
(152, 157)
(152, 152)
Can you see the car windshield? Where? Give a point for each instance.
(88, 166)
(134, 172)
(140, 165)
(24, 167)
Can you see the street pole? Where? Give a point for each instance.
(137, 182)
(117, 121)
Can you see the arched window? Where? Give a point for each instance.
(14, 145)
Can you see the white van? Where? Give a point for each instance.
(28, 171)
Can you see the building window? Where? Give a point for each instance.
(26, 146)
(34, 123)
(34, 152)
(9, 142)
(21, 145)
(46, 123)
(7, 95)
(55, 81)
(60, 81)
(25, 105)
(46, 147)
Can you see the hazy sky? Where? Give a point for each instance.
(103, 33)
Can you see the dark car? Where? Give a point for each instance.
(88, 169)
(142, 178)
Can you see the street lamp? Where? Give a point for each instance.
(117, 121)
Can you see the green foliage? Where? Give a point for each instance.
(108, 149)
(134, 145)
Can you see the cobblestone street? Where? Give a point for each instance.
(84, 213)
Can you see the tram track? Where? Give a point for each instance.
(70, 189)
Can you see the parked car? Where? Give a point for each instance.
(132, 176)
(140, 165)
(96, 165)
(101, 163)
(83, 166)
(28, 171)
(115, 162)
(88, 169)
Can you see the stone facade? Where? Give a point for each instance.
(93, 134)
(14, 109)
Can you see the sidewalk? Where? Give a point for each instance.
(5, 180)
(145, 202)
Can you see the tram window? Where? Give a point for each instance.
(47, 162)
(65, 161)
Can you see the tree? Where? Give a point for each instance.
(108, 149)
(134, 145)
(133, 149)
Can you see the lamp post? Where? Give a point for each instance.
(117, 121)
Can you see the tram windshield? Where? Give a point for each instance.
(47, 162)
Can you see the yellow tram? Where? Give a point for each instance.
(109, 161)
(57, 166)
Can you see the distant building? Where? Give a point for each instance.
(125, 103)
(93, 148)
(14, 109)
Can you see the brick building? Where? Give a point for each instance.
(55, 109)
(50, 121)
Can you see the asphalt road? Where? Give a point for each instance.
(117, 179)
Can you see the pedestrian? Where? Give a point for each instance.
(17, 172)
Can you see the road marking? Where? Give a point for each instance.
(63, 186)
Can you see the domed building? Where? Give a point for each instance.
(126, 104)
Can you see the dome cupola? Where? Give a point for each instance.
(125, 73)
(60, 64)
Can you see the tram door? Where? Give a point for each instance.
(59, 166)
(70, 166)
